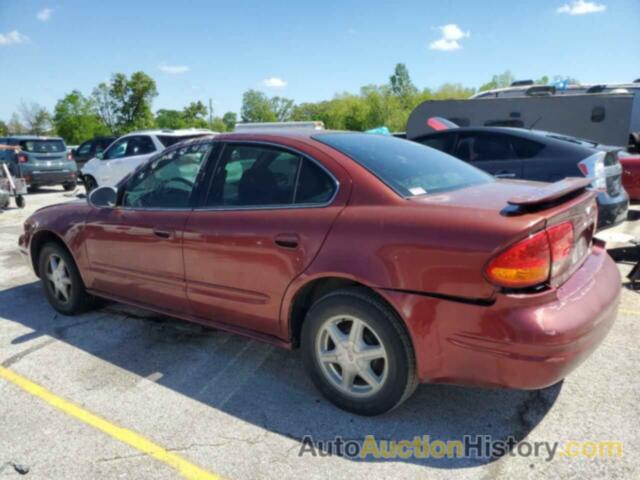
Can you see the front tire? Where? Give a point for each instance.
(89, 183)
(61, 281)
(357, 352)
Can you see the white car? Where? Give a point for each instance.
(129, 151)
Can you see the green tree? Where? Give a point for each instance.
(76, 119)
(229, 119)
(401, 84)
(36, 118)
(282, 108)
(4, 128)
(15, 125)
(256, 107)
(195, 115)
(498, 81)
(218, 125)
(124, 104)
(173, 119)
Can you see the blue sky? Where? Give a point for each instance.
(197, 50)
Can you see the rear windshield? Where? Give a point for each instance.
(43, 146)
(409, 168)
(168, 140)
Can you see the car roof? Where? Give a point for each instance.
(31, 137)
(172, 133)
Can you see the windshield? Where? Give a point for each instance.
(43, 146)
(409, 168)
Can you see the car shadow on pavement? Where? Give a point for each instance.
(264, 385)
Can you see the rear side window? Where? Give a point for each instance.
(409, 168)
(261, 176)
(444, 143)
(43, 146)
(526, 148)
(85, 148)
(484, 148)
(168, 140)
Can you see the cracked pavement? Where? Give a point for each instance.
(240, 408)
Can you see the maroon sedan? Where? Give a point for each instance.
(389, 263)
(631, 174)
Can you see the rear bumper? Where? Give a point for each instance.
(49, 178)
(612, 210)
(521, 341)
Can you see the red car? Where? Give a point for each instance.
(631, 174)
(389, 263)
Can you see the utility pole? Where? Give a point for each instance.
(210, 114)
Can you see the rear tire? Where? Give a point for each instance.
(61, 281)
(367, 371)
(69, 186)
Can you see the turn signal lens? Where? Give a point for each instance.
(525, 264)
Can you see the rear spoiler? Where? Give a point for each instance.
(551, 192)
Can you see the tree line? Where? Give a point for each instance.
(124, 104)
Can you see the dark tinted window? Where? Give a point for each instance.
(526, 148)
(85, 148)
(254, 176)
(141, 145)
(314, 184)
(43, 146)
(167, 181)
(407, 167)
(484, 148)
(444, 143)
(168, 140)
(117, 150)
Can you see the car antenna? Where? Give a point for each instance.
(535, 123)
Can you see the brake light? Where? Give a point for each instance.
(69, 156)
(594, 167)
(535, 259)
(524, 264)
(22, 158)
(561, 241)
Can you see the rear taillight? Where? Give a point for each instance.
(593, 167)
(70, 157)
(534, 260)
(561, 241)
(22, 158)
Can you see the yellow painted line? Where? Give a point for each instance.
(626, 311)
(185, 468)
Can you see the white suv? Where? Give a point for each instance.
(131, 150)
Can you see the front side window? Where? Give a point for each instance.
(167, 181)
(117, 150)
(261, 176)
(407, 167)
(444, 142)
(141, 145)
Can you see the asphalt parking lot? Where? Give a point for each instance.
(225, 406)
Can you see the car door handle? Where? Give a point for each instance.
(505, 175)
(287, 240)
(164, 234)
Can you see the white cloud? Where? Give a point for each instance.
(581, 7)
(44, 14)
(450, 39)
(274, 82)
(173, 69)
(12, 38)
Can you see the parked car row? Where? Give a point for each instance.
(457, 277)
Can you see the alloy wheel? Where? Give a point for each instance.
(59, 278)
(351, 356)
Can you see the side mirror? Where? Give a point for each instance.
(103, 197)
